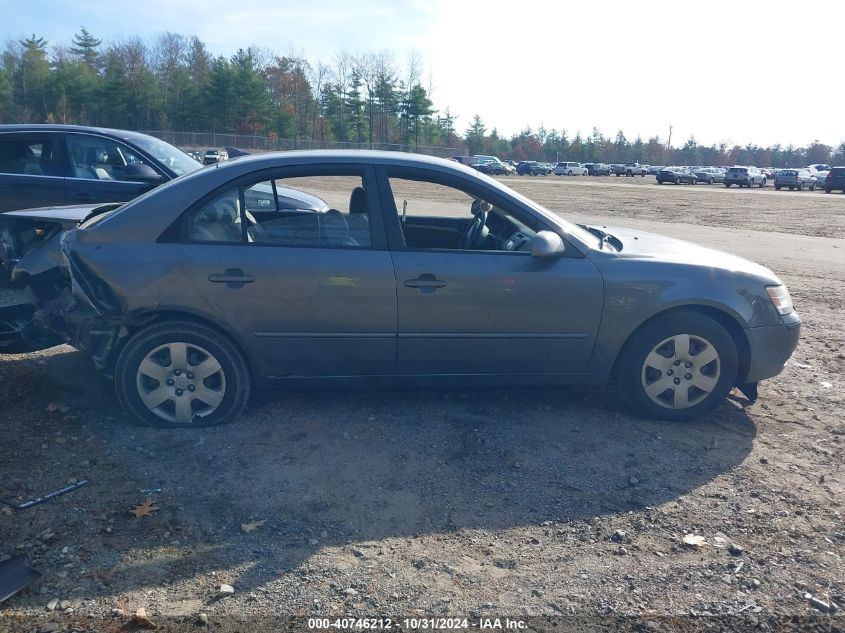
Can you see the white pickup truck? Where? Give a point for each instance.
(630, 169)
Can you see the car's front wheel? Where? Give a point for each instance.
(182, 374)
(678, 367)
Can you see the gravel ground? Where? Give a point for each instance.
(473, 503)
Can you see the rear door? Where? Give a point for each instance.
(32, 170)
(310, 292)
(98, 170)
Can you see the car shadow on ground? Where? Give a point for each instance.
(337, 469)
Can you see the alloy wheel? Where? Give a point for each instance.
(180, 381)
(680, 371)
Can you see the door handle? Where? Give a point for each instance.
(233, 276)
(425, 282)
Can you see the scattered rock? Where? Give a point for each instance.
(735, 550)
(225, 591)
(621, 551)
(313, 541)
(619, 536)
(141, 619)
(349, 591)
(633, 481)
(51, 606)
(64, 604)
(694, 540)
(49, 627)
(118, 613)
(357, 553)
(202, 618)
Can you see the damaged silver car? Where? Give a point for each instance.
(370, 269)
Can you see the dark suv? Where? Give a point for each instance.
(531, 168)
(50, 165)
(835, 180)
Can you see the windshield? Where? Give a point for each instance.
(166, 154)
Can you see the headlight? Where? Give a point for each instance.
(780, 298)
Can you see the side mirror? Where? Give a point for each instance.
(140, 172)
(546, 244)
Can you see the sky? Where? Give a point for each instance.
(736, 71)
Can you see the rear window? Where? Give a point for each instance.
(738, 170)
(788, 172)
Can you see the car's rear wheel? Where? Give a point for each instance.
(709, 181)
(727, 185)
(762, 183)
(182, 374)
(678, 367)
(800, 187)
(813, 187)
(777, 187)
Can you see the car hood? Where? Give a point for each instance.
(641, 245)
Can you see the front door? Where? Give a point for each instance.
(483, 305)
(98, 170)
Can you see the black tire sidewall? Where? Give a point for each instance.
(629, 365)
(235, 370)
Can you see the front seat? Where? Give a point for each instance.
(359, 219)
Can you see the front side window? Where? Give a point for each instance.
(304, 211)
(97, 158)
(29, 155)
(433, 215)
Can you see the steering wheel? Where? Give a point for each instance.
(475, 232)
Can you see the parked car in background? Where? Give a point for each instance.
(709, 175)
(570, 169)
(652, 171)
(600, 169)
(821, 178)
(48, 165)
(463, 160)
(676, 175)
(795, 179)
(531, 168)
(744, 177)
(819, 167)
(195, 154)
(491, 167)
(835, 180)
(192, 296)
(630, 169)
(214, 155)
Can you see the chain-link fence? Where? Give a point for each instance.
(248, 142)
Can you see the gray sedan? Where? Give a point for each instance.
(415, 268)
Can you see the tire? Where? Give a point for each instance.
(218, 398)
(640, 367)
(813, 187)
(800, 187)
(826, 190)
(710, 181)
(569, 173)
(777, 187)
(727, 185)
(762, 183)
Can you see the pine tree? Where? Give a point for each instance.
(85, 50)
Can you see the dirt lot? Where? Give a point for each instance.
(486, 503)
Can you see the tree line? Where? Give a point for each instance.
(175, 83)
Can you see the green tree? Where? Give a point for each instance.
(475, 135)
(85, 49)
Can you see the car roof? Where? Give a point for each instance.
(60, 127)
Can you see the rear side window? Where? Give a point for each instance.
(309, 211)
(30, 155)
(837, 171)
